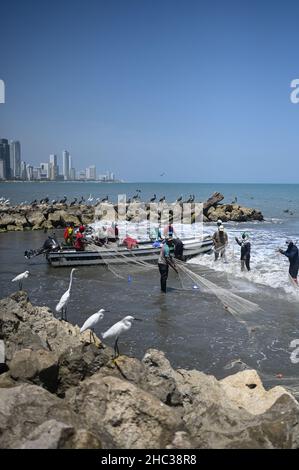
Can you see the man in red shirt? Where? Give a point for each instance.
(79, 243)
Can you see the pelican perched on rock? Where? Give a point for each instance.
(62, 304)
(153, 198)
(117, 329)
(92, 321)
(19, 278)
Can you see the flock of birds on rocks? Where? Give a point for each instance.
(91, 199)
(113, 332)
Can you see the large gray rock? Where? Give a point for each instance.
(40, 367)
(53, 434)
(24, 408)
(35, 218)
(79, 362)
(216, 418)
(122, 414)
(160, 378)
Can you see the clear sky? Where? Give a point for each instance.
(199, 90)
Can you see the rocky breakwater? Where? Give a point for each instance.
(59, 390)
(49, 216)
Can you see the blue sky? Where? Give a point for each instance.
(199, 90)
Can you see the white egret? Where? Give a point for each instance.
(92, 321)
(62, 304)
(20, 278)
(117, 329)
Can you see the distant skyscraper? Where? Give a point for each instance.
(2, 177)
(29, 172)
(91, 173)
(66, 164)
(15, 159)
(5, 156)
(44, 171)
(72, 174)
(23, 171)
(53, 167)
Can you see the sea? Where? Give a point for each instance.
(188, 323)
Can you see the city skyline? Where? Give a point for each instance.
(12, 167)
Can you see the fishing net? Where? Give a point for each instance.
(233, 303)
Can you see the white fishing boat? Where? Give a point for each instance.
(113, 254)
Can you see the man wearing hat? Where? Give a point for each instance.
(292, 253)
(245, 251)
(220, 240)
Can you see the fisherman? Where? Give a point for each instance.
(245, 251)
(113, 233)
(169, 231)
(68, 235)
(292, 253)
(79, 242)
(178, 249)
(220, 240)
(165, 260)
(155, 233)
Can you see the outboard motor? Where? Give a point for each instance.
(51, 244)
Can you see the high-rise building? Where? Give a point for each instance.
(53, 167)
(66, 164)
(91, 173)
(15, 159)
(5, 156)
(36, 173)
(23, 171)
(2, 170)
(44, 171)
(29, 172)
(72, 174)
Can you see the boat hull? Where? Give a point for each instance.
(121, 255)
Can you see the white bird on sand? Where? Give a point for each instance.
(20, 278)
(62, 304)
(117, 329)
(92, 321)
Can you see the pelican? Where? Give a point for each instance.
(153, 198)
(73, 202)
(92, 321)
(63, 201)
(162, 199)
(62, 304)
(20, 278)
(117, 329)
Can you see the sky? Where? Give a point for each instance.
(196, 91)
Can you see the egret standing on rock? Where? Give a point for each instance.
(20, 278)
(62, 304)
(92, 321)
(117, 329)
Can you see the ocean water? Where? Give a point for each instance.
(190, 326)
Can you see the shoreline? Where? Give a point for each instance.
(84, 399)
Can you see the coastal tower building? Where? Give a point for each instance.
(91, 173)
(66, 164)
(5, 157)
(15, 159)
(23, 171)
(44, 171)
(53, 168)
